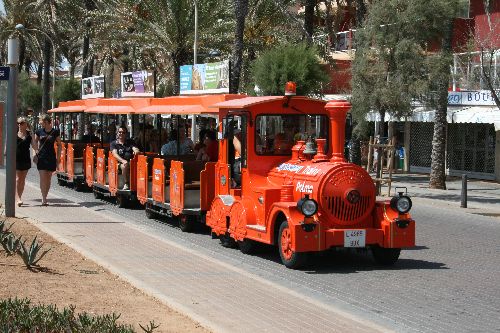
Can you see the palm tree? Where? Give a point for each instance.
(240, 13)
(161, 33)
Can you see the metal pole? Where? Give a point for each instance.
(463, 204)
(11, 139)
(54, 74)
(195, 46)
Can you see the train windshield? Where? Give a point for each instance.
(277, 134)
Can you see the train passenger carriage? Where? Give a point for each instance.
(102, 168)
(159, 178)
(70, 171)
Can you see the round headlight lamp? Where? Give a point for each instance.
(401, 203)
(307, 206)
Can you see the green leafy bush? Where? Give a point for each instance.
(67, 90)
(298, 63)
(19, 315)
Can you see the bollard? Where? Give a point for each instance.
(464, 192)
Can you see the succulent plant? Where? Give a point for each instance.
(30, 255)
(11, 244)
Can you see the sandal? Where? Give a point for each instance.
(19, 203)
(45, 203)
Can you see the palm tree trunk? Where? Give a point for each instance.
(309, 20)
(438, 155)
(46, 75)
(39, 74)
(360, 12)
(22, 53)
(240, 11)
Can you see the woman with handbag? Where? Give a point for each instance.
(45, 158)
(23, 159)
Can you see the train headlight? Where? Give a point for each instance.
(401, 203)
(307, 206)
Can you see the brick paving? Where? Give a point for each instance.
(219, 296)
(449, 283)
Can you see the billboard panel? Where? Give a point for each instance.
(138, 84)
(93, 87)
(209, 78)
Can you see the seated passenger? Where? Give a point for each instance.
(185, 144)
(89, 136)
(210, 151)
(123, 150)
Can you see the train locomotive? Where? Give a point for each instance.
(311, 202)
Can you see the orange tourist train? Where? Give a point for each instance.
(280, 178)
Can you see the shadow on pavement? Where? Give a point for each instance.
(83, 222)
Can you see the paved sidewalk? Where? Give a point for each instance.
(483, 197)
(219, 296)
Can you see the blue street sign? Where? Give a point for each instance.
(4, 73)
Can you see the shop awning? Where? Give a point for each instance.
(474, 114)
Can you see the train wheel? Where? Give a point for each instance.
(60, 182)
(121, 201)
(77, 186)
(227, 241)
(384, 256)
(97, 195)
(150, 214)
(247, 246)
(186, 224)
(290, 258)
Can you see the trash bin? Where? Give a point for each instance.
(400, 158)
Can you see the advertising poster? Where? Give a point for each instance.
(93, 87)
(138, 84)
(186, 75)
(209, 78)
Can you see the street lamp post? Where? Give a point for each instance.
(195, 56)
(11, 139)
(21, 27)
(195, 46)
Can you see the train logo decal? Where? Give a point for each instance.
(304, 188)
(289, 167)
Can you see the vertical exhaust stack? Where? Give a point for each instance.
(338, 111)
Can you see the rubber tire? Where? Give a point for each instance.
(77, 186)
(247, 246)
(121, 201)
(385, 256)
(297, 259)
(150, 214)
(186, 224)
(227, 241)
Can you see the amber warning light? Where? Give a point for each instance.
(290, 88)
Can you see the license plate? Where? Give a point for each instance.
(354, 238)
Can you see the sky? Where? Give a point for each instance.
(1, 6)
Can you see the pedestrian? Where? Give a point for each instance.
(23, 158)
(123, 149)
(45, 158)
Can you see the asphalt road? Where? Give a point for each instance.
(448, 283)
